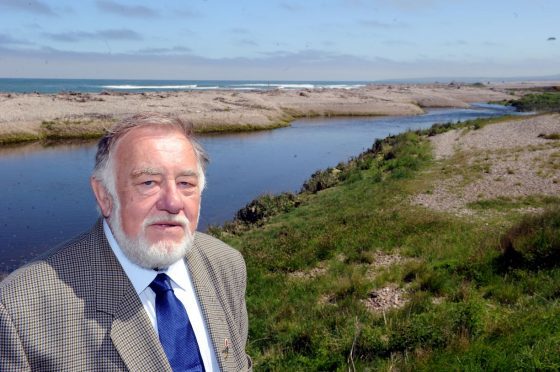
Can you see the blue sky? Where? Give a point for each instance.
(279, 39)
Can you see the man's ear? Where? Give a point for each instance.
(104, 199)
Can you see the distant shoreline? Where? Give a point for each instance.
(33, 116)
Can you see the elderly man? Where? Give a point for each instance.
(141, 291)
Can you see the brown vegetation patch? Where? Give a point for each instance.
(383, 260)
(386, 298)
(390, 296)
(309, 274)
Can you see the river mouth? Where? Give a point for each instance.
(47, 198)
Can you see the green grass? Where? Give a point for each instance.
(473, 124)
(234, 128)
(72, 129)
(17, 137)
(75, 129)
(509, 204)
(91, 129)
(551, 136)
(473, 303)
(541, 102)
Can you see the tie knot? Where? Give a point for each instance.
(161, 284)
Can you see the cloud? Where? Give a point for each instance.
(113, 7)
(186, 13)
(456, 43)
(9, 40)
(113, 34)
(30, 6)
(239, 30)
(118, 34)
(354, 3)
(398, 43)
(411, 5)
(383, 25)
(246, 42)
(303, 65)
(174, 50)
(72, 36)
(290, 7)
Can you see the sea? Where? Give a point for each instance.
(28, 85)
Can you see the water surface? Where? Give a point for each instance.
(47, 199)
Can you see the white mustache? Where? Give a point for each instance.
(171, 219)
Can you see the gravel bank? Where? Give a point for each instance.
(509, 160)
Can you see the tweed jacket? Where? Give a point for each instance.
(75, 310)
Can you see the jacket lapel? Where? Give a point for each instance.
(212, 309)
(131, 331)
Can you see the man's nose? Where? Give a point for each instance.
(169, 199)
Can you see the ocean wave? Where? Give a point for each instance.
(344, 86)
(276, 85)
(247, 86)
(131, 87)
(207, 88)
(297, 86)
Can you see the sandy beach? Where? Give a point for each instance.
(34, 116)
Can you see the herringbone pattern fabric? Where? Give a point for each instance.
(75, 310)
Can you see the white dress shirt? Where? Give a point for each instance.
(183, 289)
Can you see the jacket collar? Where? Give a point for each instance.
(205, 282)
(131, 331)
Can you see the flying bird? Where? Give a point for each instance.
(551, 39)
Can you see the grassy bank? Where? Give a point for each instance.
(469, 293)
(90, 129)
(211, 128)
(62, 129)
(538, 102)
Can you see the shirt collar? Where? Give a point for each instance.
(141, 277)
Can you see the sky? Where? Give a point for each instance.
(334, 40)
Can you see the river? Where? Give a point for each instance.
(47, 199)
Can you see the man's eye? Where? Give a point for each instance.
(149, 184)
(186, 185)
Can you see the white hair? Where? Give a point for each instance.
(104, 168)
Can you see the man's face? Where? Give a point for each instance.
(157, 180)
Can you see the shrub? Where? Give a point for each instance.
(439, 128)
(266, 206)
(533, 244)
(546, 102)
(321, 180)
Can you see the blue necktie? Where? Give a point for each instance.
(175, 331)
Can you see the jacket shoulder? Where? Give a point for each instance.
(67, 260)
(215, 248)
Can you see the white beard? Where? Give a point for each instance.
(157, 255)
